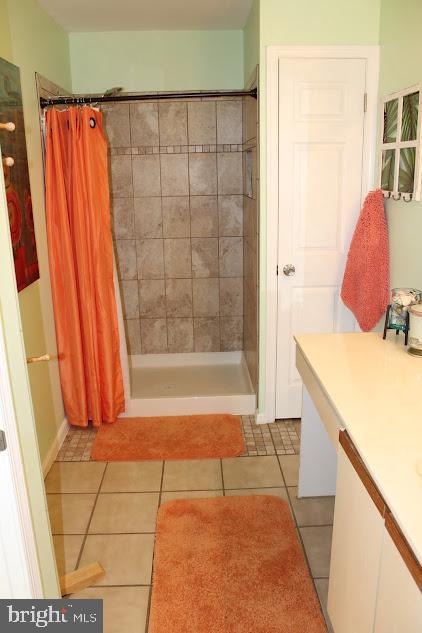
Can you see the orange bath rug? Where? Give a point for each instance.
(231, 565)
(169, 437)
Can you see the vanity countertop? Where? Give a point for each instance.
(375, 387)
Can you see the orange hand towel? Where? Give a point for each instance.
(366, 282)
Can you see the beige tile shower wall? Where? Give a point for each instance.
(177, 202)
(251, 236)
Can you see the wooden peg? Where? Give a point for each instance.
(81, 578)
(10, 127)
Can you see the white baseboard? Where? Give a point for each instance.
(264, 418)
(55, 447)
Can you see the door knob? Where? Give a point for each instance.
(289, 270)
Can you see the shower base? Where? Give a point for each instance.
(185, 384)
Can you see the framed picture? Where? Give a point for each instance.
(16, 177)
(400, 160)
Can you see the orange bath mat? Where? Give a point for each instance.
(165, 437)
(231, 565)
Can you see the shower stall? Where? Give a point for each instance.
(184, 204)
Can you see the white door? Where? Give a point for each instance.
(16, 575)
(321, 117)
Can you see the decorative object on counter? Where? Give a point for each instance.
(400, 160)
(366, 283)
(397, 315)
(16, 176)
(415, 330)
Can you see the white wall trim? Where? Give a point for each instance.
(55, 447)
(273, 54)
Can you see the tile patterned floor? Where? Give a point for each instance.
(107, 512)
(280, 438)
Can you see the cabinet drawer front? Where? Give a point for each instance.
(355, 553)
(399, 600)
(404, 550)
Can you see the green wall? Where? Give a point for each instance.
(157, 60)
(38, 44)
(401, 67)
(251, 41)
(33, 41)
(319, 22)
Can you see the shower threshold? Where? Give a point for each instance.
(184, 384)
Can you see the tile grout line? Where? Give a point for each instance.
(153, 551)
(90, 518)
(222, 477)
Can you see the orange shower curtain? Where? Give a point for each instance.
(81, 266)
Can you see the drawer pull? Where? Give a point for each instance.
(363, 474)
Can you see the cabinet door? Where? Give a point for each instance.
(355, 553)
(399, 604)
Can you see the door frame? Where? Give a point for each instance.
(273, 54)
(26, 547)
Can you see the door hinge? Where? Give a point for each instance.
(3, 443)
(365, 102)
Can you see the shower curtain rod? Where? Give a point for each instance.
(85, 99)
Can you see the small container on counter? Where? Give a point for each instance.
(415, 330)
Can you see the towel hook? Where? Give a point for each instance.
(396, 197)
(407, 197)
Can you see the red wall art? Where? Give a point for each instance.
(16, 177)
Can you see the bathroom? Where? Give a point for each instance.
(227, 257)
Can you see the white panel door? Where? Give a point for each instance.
(321, 117)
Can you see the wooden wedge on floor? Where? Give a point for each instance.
(81, 578)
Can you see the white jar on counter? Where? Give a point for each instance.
(415, 330)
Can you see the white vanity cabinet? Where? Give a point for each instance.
(356, 546)
(356, 388)
(375, 580)
(399, 599)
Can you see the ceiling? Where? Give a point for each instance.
(148, 15)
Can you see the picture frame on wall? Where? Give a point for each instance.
(400, 154)
(16, 176)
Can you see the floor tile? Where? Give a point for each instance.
(190, 494)
(199, 474)
(124, 608)
(126, 558)
(74, 477)
(290, 467)
(70, 513)
(317, 543)
(251, 472)
(132, 477)
(312, 510)
(66, 549)
(321, 585)
(120, 512)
